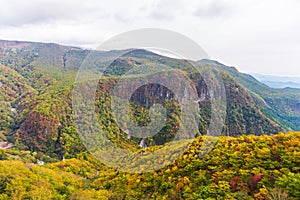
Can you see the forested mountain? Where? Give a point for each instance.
(36, 88)
(281, 105)
(37, 81)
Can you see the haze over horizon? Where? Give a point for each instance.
(253, 36)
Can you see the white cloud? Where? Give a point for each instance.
(213, 9)
(255, 36)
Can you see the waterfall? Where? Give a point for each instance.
(128, 134)
(142, 143)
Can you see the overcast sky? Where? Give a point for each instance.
(260, 36)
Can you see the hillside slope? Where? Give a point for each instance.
(281, 105)
(245, 167)
(48, 71)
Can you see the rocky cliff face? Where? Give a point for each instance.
(243, 115)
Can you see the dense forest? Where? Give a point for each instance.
(244, 167)
(42, 155)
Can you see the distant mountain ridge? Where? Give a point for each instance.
(278, 81)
